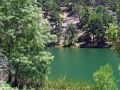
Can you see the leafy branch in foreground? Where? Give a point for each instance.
(23, 35)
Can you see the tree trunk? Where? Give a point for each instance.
(16, 76)
(9, 77)
(93, 39)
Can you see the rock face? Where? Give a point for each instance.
(61, 41)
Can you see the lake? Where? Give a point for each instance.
(81, 63)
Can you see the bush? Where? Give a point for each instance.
(4, 86)
(104, 79)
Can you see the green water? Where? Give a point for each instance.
(81, 63)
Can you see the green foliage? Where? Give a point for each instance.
(53, 8)
(72, 28)
(76, 9)
(112, 32)
(85, 16)
(71, 31)
(23, 35)
(99, 22)
(117, 9)
(104, 79)
(64, 84)
(112, 35)
(55, 16)
(96, 23)
(101, 9)
(51, 5)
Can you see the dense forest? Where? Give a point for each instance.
(28, 27)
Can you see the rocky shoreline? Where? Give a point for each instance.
(80, 45)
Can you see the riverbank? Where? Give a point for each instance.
(63, 84)
(60, 84)
(79, 45)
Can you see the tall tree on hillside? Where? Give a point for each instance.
(71, 31)
(117, 9)
(98, 25)
(112, 35)
(85, 17)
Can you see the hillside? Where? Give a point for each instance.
(81, 24)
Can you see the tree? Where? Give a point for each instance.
(112, 35)
(23, 35)
(95, 23)
(71, 31)
(100, 9)
(50, 5)
(112, 32)
(118, 15)
(85, 17)
(95, 26)
(98, 25)
(76, 9)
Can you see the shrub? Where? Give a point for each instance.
(104, 79)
